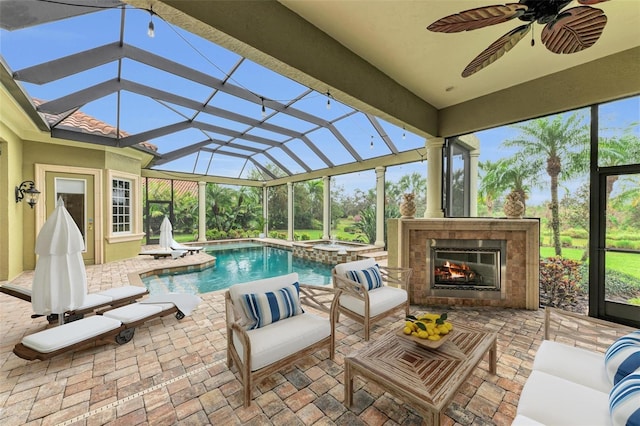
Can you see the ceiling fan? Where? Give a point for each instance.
(565, 31)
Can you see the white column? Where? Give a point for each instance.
(434, 178)
(474, 154)
(265, 210)
(380, 196)
(202, 212)
(326, 207)
(290, 211)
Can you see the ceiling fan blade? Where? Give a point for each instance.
(497, 49)
(481, 17)
(574, 30)
(591, 1)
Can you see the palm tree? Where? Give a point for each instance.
(516, 174)
(554, 140)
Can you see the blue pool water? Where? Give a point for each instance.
(239, 263)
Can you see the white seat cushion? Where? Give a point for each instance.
(553, 400)
(71, 333)
(521, 420)
(380, 300)
(134, 312)
(124, 291)
(283, 338)
(572, 364)
(94, 299)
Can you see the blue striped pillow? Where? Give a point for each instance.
(370, 276)
(266, 308)
(624, 401)
(623, 357)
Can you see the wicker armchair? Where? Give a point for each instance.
(260, 352)
(368, 306)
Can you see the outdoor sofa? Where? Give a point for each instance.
(574, 385)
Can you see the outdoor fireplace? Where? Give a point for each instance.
(466, 268)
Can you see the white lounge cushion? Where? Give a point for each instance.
(125, 291)
(93, 299)
(574, 364)
(380, 300)
(552, 400)
(283, 338)
(521, 420)
(69, 334)
(258, 286)
(134, 312)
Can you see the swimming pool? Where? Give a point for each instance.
(239, 263)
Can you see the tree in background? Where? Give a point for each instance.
(559, 141)
(508, 174)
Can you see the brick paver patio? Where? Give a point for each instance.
(174, 372)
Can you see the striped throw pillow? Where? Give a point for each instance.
(623, 357)
(624, 401)
(266, 308)
(370, 276)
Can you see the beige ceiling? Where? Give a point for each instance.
(392, 36)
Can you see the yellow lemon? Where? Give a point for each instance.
(423, 334)
(434, 337)
(407, 330)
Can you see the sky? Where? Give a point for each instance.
(35, 45)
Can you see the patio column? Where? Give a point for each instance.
(326, 207)
(202, 212)
(434, 178)
(474, 154)
(265, 210)
(380, 197)
(290, 211)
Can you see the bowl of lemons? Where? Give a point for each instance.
(429, 330)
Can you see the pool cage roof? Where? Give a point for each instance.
(113, 75)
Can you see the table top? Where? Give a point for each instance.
(430, 376)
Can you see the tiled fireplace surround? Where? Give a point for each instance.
(521, 278)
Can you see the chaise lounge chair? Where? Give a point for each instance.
(111, 326)
(112, 298)
(191, 249)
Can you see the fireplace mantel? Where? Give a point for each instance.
(408, 247)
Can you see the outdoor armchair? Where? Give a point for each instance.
(273, 323)
(370, 293)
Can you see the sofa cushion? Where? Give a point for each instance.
(552, 358)
(624, 401)
(265, 308)
(369, 276)
(552, 400)
(623, 357)
(283, 338)
(380, 300)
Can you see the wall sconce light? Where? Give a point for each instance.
(28, 189)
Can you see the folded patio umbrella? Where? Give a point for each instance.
(166, 234)
(60, 279)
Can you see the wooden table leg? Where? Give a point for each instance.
(348, 383)
(493, 356)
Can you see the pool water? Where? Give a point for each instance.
(240, 263)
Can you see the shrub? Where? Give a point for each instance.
(626, 244)
(305, 237)
(566, 241)
(576, 233)
(559, 282)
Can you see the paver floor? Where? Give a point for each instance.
(175, 372)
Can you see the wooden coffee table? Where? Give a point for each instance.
(426, 378)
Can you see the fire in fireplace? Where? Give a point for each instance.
(471, 266)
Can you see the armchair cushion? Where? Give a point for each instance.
(268, 307)
(369, 276)
(623, 357)
(282, 338)
(380, 300)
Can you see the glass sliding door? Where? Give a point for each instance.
(456, 178)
